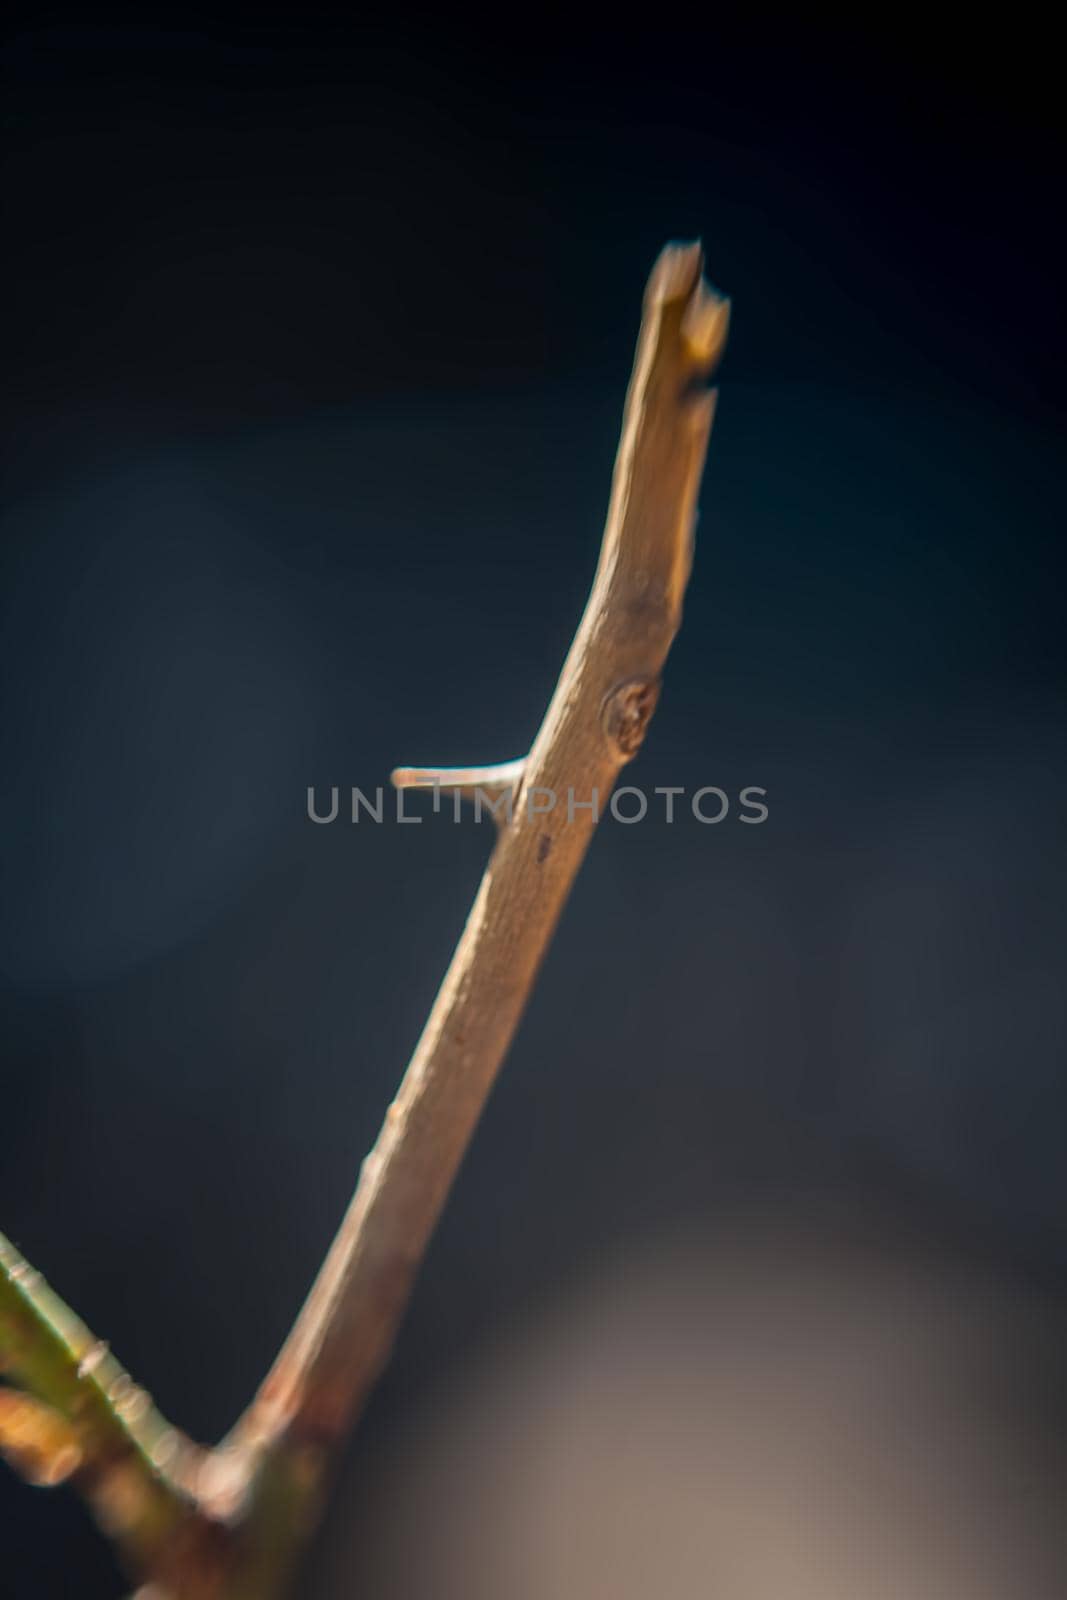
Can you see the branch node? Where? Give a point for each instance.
(627, 713)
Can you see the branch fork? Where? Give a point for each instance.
(227, 1523)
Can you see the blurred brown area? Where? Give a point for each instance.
(805, 1405)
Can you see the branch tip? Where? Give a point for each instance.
(705, 324)
(675, 274)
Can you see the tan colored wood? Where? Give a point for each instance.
(595, 722)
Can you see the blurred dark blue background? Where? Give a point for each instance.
(317, 335)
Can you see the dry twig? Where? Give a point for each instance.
(225, 1524)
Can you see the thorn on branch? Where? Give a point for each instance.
(491, 789)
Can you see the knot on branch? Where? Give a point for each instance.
(627, 714)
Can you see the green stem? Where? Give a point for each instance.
(134, 1464)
